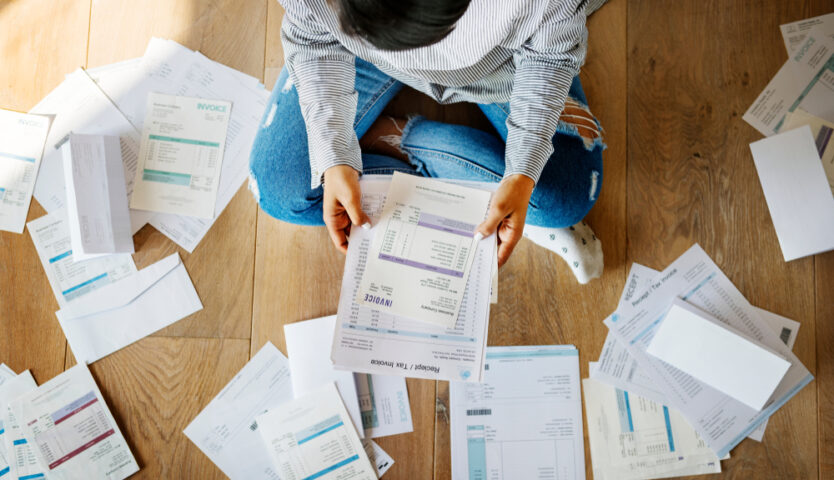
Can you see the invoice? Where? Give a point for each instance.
(22, 139)
(422, 250)
(312, 437)
(180, 155)
(370, 341)
(72, 430)
(68, 279)
(524, 421)
(635, 438)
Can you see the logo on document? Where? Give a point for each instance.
(211, 108)
(465, 374)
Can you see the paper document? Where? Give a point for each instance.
(370, 341)
(694, 343)
(383, 402)
(524, 421)
(72, 431)
(634, 438)
(794, 33)
(22, 140)
(6, 374)
(20, 453)
(308, 345)
(422, 250)
(97, 211)
(226, 430)
(312, 437)
(805, 81)
(79, 106)
(823, 133)
(695, 279)
(797, 192)
(180, 155)
(128, 310)
(377, 456)
(71, 280)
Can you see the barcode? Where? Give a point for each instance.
(479, 411)
(253, 426)
(785, 335)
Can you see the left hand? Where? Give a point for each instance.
(507, 213)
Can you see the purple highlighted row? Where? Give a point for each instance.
(446, 225)
(422, 266)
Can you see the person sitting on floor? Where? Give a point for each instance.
(518, 61)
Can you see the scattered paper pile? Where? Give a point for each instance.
(297, 418)
(685, 353)
(60, 430)
(796, 162)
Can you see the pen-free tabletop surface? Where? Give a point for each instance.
(668, 80)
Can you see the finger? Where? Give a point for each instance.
(353, 206)
(337, 236)
(508, 238)
(494, 217)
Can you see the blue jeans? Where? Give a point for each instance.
(280, 168)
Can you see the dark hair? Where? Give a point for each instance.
(399, 24)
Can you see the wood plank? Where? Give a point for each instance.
(42, 41)
(222, 33)
(691, 179)
(825, 362)
(156, 387)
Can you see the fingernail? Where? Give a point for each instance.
(366, 225)
(479, 236)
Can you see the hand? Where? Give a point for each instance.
(507, 213)
(342, 204)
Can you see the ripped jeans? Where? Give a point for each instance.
(566, 191)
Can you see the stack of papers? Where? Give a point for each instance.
(368, 340)
(112, 100)
(796, 163)
(523, 421)
(22, 139)
(60, 430)
(692, 284)
(256, 418)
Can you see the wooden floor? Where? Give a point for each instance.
(669, 82)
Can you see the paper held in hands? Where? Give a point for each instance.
(422, 250)
(715, 354)
(180, 155)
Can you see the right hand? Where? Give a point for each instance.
(342, 204)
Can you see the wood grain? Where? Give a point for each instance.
(693, 69)
(222, 265)
(42, 40)
(825, 362)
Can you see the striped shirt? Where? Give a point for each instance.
(522, 52)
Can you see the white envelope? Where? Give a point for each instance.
(717, 355)
(125, 311)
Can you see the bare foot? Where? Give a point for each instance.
(384, 137)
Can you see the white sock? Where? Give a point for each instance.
(577, 245)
